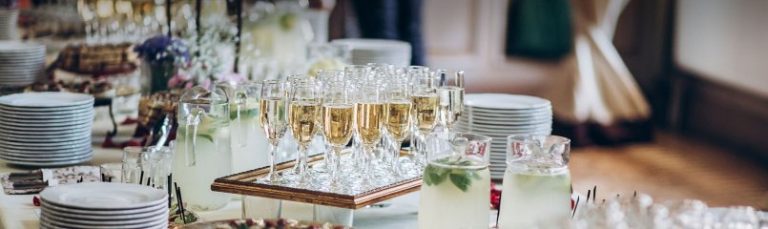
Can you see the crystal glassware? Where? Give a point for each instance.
(338, 123)
(203, 147)
(537, 183)
(303, 113)
(369, 112)
(398, 118)
(273, 117)
(456, 184)
(451, 93)
(425, 110)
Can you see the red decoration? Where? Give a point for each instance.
(36, 201)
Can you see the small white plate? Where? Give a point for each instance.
(505, 101)
(41, 143)
(46, 99)
(49, 154)
(43, 123)
(31, 138)
(47, 164)
(151, 220)
(107, 212)
(34, 158)
(58, 224)
(94, 196)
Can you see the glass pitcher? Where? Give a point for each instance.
(456, 184)
(249, 144)
(202, 151)
(537, 183)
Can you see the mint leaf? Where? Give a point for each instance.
(461, 181)
(205, 136)
(434, 175)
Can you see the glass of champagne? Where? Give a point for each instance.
(369, 112)
(397, 119)
(302, 118)
(451, 93)
(338, 123)
(425, 110)
(273, 118)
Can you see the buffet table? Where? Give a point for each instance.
(18, 211)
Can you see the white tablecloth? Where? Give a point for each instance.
(17, 211)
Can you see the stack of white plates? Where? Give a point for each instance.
(501, 115)
(103, 205)
(366, 51)
(20, 63)
(46, 129)
(8, 21)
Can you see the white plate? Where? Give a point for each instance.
(46, 99)
(108, 212)
(32, 138)
(37, 131)
(48, 164)
(62, 154)
(506, 116)
(38, 159)
(64, 115)
(44, 219)
(60, 108)
(104, 196)
(43, 129)
(45, 147)
(40, 144)
(66, 123)
(505, 101)
(151, 220)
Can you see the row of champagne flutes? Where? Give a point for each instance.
(375, 107)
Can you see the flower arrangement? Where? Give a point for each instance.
(162, 57)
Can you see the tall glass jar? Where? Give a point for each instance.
(202, 152)
(457, 184)
(249, 144)
(537, 183)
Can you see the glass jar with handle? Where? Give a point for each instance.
(456, 184)
(203, 147)
(537, 183)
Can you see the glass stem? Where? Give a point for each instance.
(336, 161)
(272, 175)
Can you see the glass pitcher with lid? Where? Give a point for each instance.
(456, 183)
(202, 151)
(537, 183)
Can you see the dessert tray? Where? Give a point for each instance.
(248, 183)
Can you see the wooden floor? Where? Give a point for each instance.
(672, 168)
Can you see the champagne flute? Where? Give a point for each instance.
(273, 119)
(425, 110)
(369, 111)
(451, 94)
(338, 123)
(302, 117)
(398, 118)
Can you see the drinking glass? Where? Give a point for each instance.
(537, 183)
(369, 112)
(203, 151)
(149, 166)
(303, 120)
(397, 119)
(451, 92)
(425, 110)
(456, 184)
(273, 118)
(338, 123)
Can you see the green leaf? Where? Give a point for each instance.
(205, 136)
(461, 181)
(434, 175)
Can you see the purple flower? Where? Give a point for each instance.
(161, 48)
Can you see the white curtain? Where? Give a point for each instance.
(599, 87)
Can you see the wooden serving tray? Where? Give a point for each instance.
(244, 184)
